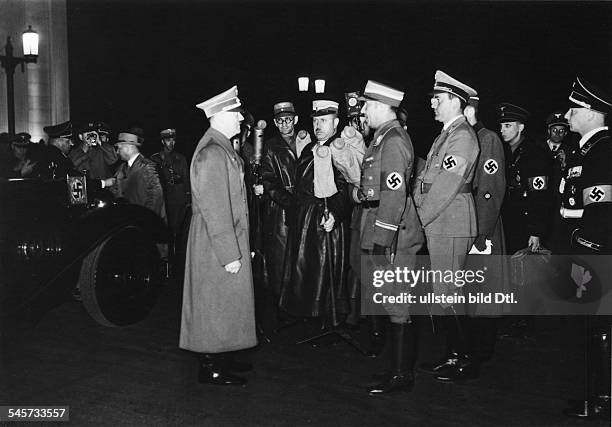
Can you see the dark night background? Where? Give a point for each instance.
(149, 63)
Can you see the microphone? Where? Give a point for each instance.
(302, 134)
(258, 140)
(349, 132)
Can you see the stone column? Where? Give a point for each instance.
(42, 91)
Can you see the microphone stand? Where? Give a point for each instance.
(334, 329)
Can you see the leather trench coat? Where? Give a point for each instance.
(278, 176)
(306, 274)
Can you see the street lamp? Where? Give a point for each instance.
(303, 84)
(10, 62)
(319, 86)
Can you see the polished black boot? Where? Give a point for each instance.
(377, 336)
(463, 367)
(450, 355)
(434, 368)
(212, 371)
(403, 354)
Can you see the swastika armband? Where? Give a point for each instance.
(394, 181)
(490, 167)
(597, 194)
(538, 183)
(454, 163)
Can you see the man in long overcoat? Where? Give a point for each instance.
(218, 304)
(306, 278)
(278, 173)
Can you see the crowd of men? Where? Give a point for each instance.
(160, 183)
(302, 213)
(337, 199)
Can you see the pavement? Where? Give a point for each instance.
(137, 375)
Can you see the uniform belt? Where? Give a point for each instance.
(465, 188)
(368, 204)
(571, 213)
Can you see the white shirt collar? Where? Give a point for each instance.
(132, 160)
(450, 122)
(552, 145)
(589, 134)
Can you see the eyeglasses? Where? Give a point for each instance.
(284, 120)
(558, 130)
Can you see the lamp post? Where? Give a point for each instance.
(10, 62)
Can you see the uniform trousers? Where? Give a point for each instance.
(447, 254)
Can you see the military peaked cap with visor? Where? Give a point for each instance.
(511, 113)
(284, 109)
(324, 107)
(447, 84)
(556, 118)
(62, 130)
(167, 133)
(375, 91)
(226, 101)
(587, 95)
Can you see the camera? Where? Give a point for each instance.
(92, 138)
(353, 104)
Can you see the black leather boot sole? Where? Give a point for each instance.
(436, 368)
(463, 370)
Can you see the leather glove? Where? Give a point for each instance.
(481, 242)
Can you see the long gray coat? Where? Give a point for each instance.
(218, 307)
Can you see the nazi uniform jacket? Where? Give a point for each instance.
(218, 307)
(386, 176)
(443, 193)
(53, 164)
(140, 185)
(526, 208)
(389, 217)
(594, 187)
(489, 188)
(174, 176)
